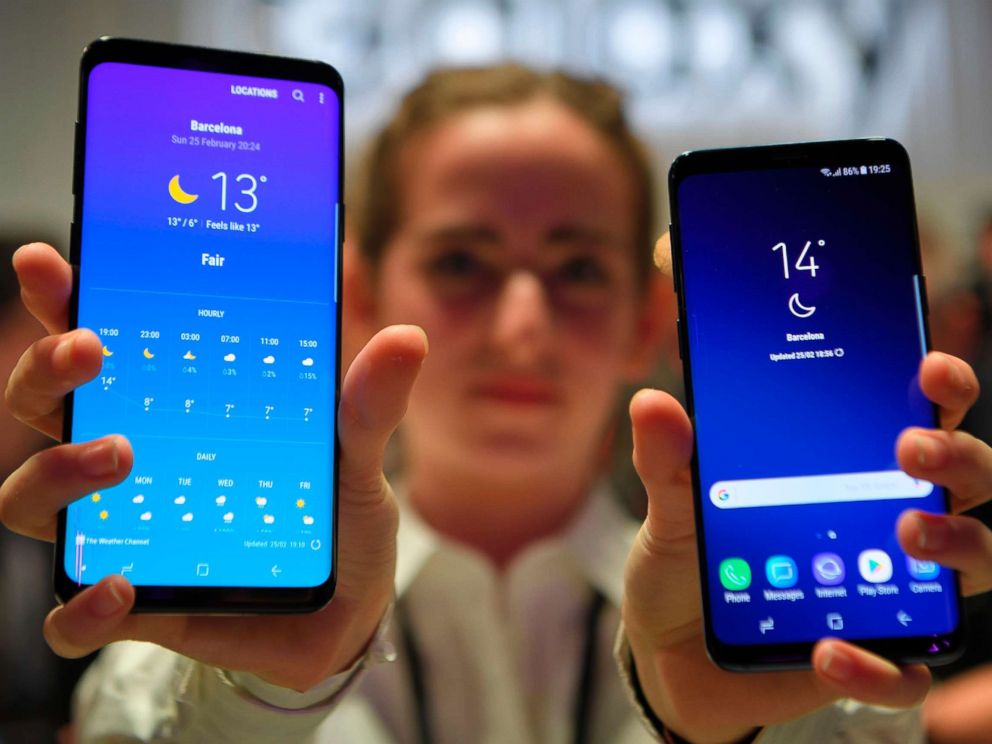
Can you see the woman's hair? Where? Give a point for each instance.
(375, 200)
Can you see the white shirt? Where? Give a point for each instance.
(501, 659)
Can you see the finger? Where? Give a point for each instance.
(854, 672)
(46, 284)
(954, 459)
(50, 368)
(91, 620)
(663, 254)
(961, 543)
(951, 384)
(374, 397)
(32, 495)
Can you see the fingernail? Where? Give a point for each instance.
(930, 453)
(107, 601)
(932, 533)
(62, 356)
(836, 665)
(100, 458)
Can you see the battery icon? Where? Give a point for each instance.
(864, 170)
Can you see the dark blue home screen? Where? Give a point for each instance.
(207, 267)
(804, 328)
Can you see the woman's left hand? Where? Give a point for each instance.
(662, 605)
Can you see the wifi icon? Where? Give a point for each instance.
(826, 171)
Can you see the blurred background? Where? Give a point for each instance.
(698, 73)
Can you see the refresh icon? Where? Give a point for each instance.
(798, 309)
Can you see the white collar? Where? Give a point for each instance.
(598, 539)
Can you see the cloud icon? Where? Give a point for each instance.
(189, 356)
(188, 517)
(221, 500)
(229, 357)
(145, 516)
(179, 500)
(229, 517)
(261, 501)
(268, 519)
(308, 520)
(139, 499)
(269, 359)
(308, 362)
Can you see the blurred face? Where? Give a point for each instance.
(515, 253)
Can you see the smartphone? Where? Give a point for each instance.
(803, 321)
(206, 247)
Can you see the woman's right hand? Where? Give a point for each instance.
(294, 651)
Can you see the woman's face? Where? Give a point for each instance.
(515, 253)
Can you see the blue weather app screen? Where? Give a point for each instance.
(207, 268)
(804, 325)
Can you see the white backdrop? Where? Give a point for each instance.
(700, 73)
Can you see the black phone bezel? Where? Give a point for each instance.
(933, 650)
(206, 599)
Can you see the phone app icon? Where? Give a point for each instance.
(735, 574)
(828, 569)
(922, 570)
(875, 565)
(781, 571)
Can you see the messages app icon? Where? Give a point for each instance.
(735, 574)
(781, 571)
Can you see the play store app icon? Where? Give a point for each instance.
(875, 566)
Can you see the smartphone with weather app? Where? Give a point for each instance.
(206, 248)
(803, 321)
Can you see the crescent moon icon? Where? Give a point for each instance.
(177, 193)
(798, 309)
(148, 354)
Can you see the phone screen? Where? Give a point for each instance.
(804, 326)
(208, 258)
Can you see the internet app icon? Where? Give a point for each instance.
(781, 571)
(735, 574)
(875, 566)
(828, 569)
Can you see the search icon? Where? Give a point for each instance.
(297, 95)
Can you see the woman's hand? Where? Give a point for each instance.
(292, 651)
(662, 602)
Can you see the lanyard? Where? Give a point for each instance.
(582, 705)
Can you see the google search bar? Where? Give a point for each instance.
(818, 489)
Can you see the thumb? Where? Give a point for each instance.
(662, 593)
(662, 453)
(374, 397)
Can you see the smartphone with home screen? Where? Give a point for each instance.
(803, 321)
(206, 246)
